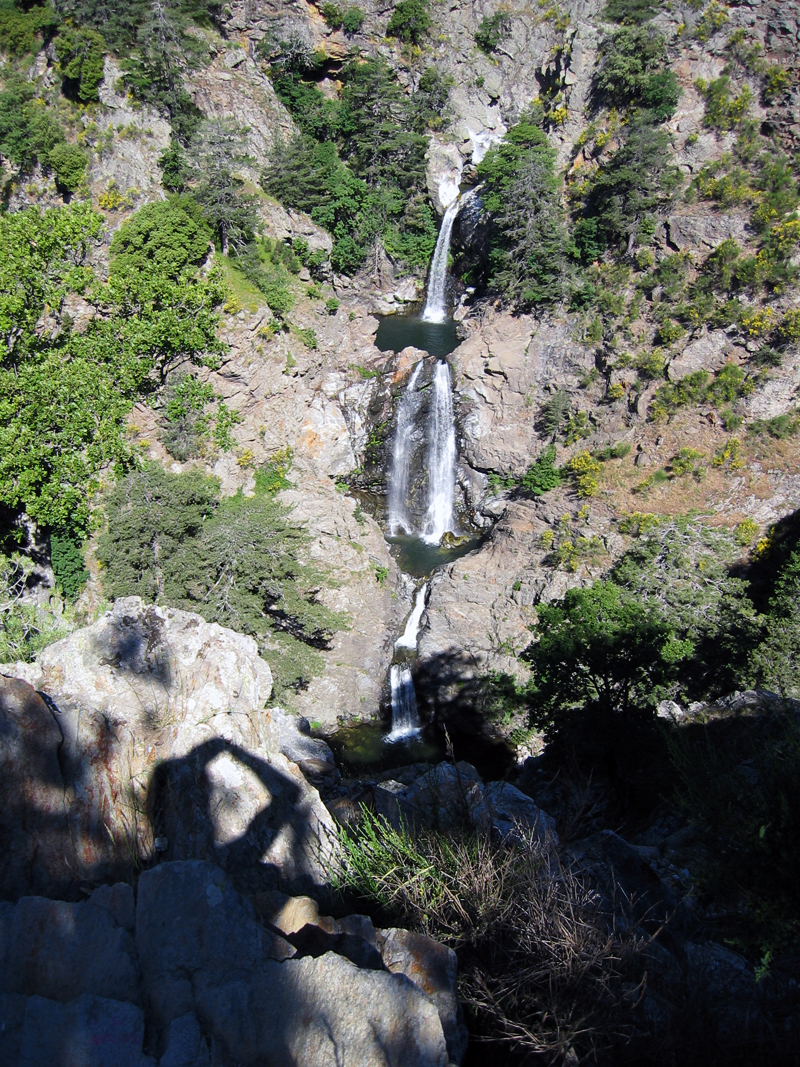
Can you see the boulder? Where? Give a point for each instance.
(204, 953)
(451, 795)
(92, 1031)
(60, 950)
(155, 735)
(38, 852)
(432, 968)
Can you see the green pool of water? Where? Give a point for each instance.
(397, 332)
(419, 559)
(362, 750)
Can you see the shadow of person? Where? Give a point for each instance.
(225, 804)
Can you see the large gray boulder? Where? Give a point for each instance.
(203, 953)
(61, 951)
(155, 741)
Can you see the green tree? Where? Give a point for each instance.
(151, 513)
(238, 562)
(170, 237)
(627, 193)
(600, 660)
(410, 21)
(64, 393)
(80, 57)
(633, 69)
(216, 152)
(528, 255)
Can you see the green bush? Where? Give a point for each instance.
(80, 57)
(333, 15)
(492, 30)
(353, 20)
(68, 163)
(631, 11)
(184, 422)
(633, 70)
(25, 627)
(170, 236)
(410, 21)
(66, 557)
(543, 475)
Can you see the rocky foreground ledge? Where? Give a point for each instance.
(156, 824)
(198, 974)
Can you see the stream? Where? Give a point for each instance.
(423, 530)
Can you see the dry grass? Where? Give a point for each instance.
(542, 959)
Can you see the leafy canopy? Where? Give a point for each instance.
(65, 393)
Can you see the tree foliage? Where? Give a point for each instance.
(529, 252)
(80, 57)
(627, 192)
(239, 562)
(633, 70)
(65, 393)
(359, 167)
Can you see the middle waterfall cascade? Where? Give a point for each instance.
(398, 519)
(408, 639)
(439, 518)
(435, 305)
(405, 718)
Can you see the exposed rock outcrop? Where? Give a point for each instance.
(211, 981)
(154, 740)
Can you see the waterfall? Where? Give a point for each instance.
(408, 639)
(439, 518)
(435, 305)
(405, 720)
(398, 519)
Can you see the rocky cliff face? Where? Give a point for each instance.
(325, 404)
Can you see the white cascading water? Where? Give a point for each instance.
(405, 718)
(435, 305)
(398, 520)
(439, 518)
(408, 638)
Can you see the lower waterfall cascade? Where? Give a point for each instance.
(405, 718)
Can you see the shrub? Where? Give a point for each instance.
(353, 20)
(543, 475)
(184, 422)
(66, 557)
(80, 57)
(540, 962)
(585, 469)
(724, 111)
(492, 30)
(25, 627)
(333, 15)
(68, 163)
(410, 21)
